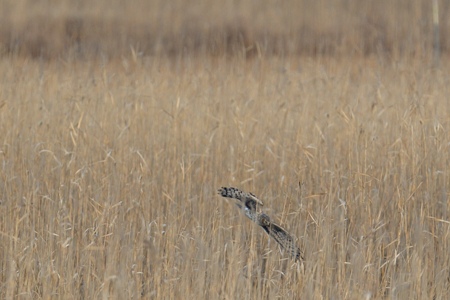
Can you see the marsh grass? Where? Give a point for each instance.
(108, 179)
(111, 29)
(110, 166)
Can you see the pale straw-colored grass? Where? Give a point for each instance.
(110, 166)
(108, 179)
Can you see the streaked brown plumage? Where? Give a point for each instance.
(250, 205)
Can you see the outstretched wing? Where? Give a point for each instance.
(249, 204)
(246, 201)
(231, 192)
(283, 238)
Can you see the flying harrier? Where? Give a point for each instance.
(250, 204)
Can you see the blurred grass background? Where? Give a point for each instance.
(119, 120)
(87, 29)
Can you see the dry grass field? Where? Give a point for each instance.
(112, 152)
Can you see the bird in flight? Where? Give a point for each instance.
(250, 205)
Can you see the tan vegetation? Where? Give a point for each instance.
(109, 167)
(86, 29)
